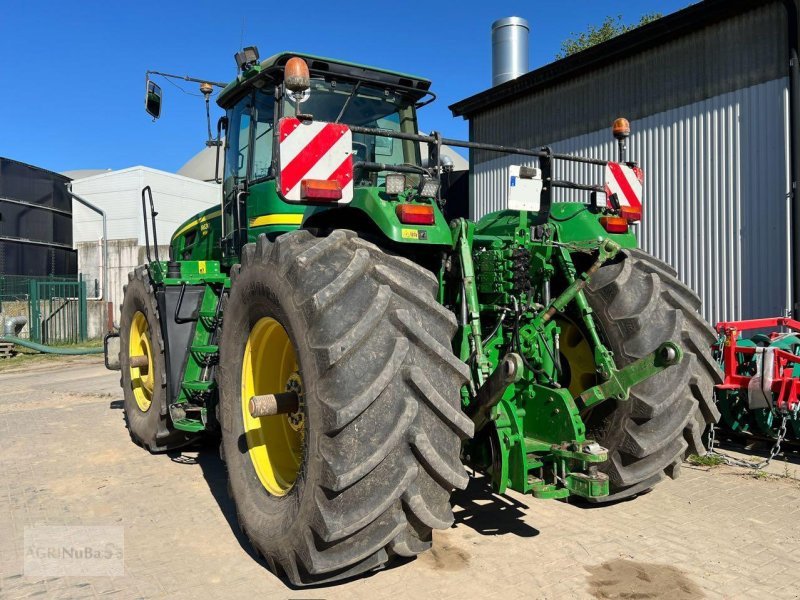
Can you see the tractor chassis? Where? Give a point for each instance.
(556, 465)
(537, 434)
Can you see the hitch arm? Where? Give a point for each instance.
(470, 299)
(619, 385)
(507, 372)
(607, 250)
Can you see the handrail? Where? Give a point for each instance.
(153, 215)
(434, 139)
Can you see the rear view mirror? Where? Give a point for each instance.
(152, 100)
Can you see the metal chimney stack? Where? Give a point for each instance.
(509, 49)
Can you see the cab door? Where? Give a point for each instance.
(237, 172)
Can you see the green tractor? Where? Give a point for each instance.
(355, 351)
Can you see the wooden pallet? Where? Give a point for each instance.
(6, 350)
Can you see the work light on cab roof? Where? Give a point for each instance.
(246, 58)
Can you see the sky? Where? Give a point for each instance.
(74, 72)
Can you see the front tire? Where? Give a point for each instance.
(382, 424)
(145, 387)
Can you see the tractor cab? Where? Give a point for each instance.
(331, 92)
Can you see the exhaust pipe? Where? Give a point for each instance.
(509, 49)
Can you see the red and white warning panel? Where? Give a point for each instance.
(625, 183)
(316, 161)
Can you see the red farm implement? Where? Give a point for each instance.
(760, 392)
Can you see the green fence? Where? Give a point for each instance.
(18, 287)
(55, 308)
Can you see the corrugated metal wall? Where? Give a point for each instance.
(736, 53)
(716, 185)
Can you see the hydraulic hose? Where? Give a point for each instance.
(49, 349)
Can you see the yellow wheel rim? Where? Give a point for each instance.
(142, 377)
(577, 358)
(275, 443)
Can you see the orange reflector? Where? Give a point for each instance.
(631, 213)
(320, 189)
(416, 214)
(614, 224)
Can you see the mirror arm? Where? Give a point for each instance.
(219, 84)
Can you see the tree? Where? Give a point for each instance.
(595, 34)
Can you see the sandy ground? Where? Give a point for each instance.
(66, 459)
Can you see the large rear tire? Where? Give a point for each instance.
(369, 347)
(640, 303)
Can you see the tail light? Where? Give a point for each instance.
(415, 214)
(631, 213)
(615, 224)
(320, 189)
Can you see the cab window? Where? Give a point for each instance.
(237, 157)
(263, 121)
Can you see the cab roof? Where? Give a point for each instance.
(271, 70)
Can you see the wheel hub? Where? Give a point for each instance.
(297, 419)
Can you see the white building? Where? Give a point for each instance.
(119, 194)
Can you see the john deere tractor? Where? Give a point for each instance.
(355, 350)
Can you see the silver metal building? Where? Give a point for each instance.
(709, 91)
